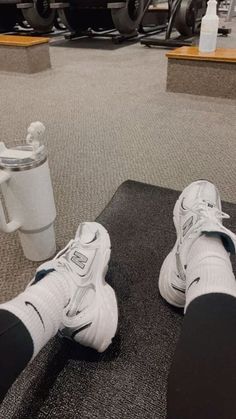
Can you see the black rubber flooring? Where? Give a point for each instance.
(129, 380)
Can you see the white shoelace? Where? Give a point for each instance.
(206, 211)
(71, 242)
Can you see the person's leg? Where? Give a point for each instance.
(68, 294)
(202, 379)
(197, 275)
(28, 321)
(16, 349)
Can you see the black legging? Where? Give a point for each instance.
(16, 349)
(202, 380)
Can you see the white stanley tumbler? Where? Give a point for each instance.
(28, 195)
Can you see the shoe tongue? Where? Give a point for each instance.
(86, 233)
(209, 195)
(202, 191)
(81, 254)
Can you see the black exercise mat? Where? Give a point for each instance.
(129, 380)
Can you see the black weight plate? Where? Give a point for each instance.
(40, 17)
(127, 19)
(184, 18)
(189, 15)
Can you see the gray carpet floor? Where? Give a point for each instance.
(108, 119)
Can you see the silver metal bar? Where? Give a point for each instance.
(118, 5)
(9, 1)
(24, 5)
(60, 5)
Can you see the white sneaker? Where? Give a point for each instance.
(197, 211)
(91, 315)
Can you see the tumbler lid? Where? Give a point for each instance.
(26, 156)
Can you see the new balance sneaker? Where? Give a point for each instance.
(197, 211)
(91, 315)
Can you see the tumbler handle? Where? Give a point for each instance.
(4, 225)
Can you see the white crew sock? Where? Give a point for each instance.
(40, 308)
(209, 269)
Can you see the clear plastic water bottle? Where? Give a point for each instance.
(209, 28)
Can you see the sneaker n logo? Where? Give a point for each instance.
(79, 259)
(187, 225)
